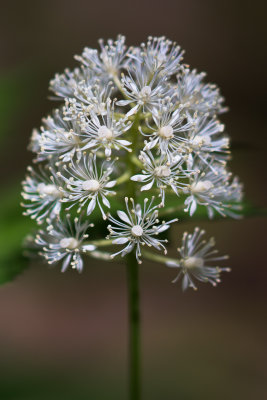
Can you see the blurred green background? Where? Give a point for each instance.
(65, 336)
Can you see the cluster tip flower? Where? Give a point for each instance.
(137, 136)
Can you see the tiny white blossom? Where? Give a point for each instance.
(60, 138)
(105, 131)
(139, 227)
(158, 54)
(69, 83)
(87, 182)
(87, 99)
(214, 189)
(63, 241)
(205, 141)
(162, 172)
(109, 61)
(42, 193)
(196, 259)
(142, 90)
(194, 95)
(169, 124)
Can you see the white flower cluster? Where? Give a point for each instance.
(131, 120)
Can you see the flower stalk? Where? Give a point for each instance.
(134, 328)
(134, 120)
(133, 290)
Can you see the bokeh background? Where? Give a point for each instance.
(65, 336)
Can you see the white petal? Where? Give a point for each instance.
(163, 228)
(123, 102)
(124, 217)
(174, 188)
(172, 264)
(79, 265)
(107, 152)
(138, 178)
(185, 282)
(105, 201)
(193, 207)
(132, 111)
(127, 249)
(110, 184)
(91, 206)
(148, 186)
(66, 263)
(66, 158)
(120, 240)
(88, 247)
(124, 142)
(57, 208)
(89, 144)
(151, 144)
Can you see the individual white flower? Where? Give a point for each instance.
(42, 193)
(105, 131)
(158, 54)
(63, 241)
(163, 173)
(67, 85)
(88, 182)
(60, 138)
(141, 89)
(110, 60)
(169, 124)
(204, 141)
(194, 95)
(82, 90)
(196, 259)
(88, 98)
(139, 227)
(214, 189)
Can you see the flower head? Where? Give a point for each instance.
(194, 95)
(42, 193)
(67, 85)
(161, 54)
(167, 127)
(204, 141)
(87, 182)
(105, 131)
(138, 227)
(162, 172)
(214, 189)
(59, 138)
(142, 89)
(87, 99)
(63, 241)
(110, 60)
(196, 259)
(137, 120)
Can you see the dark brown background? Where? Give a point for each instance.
(65, 336)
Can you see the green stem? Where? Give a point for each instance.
(100, 242)
(133, 285)
(171, 211)
(134, 327)
(100, 255)
(134, 136)
(156, 257)
(137, 162)
(123, 178)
